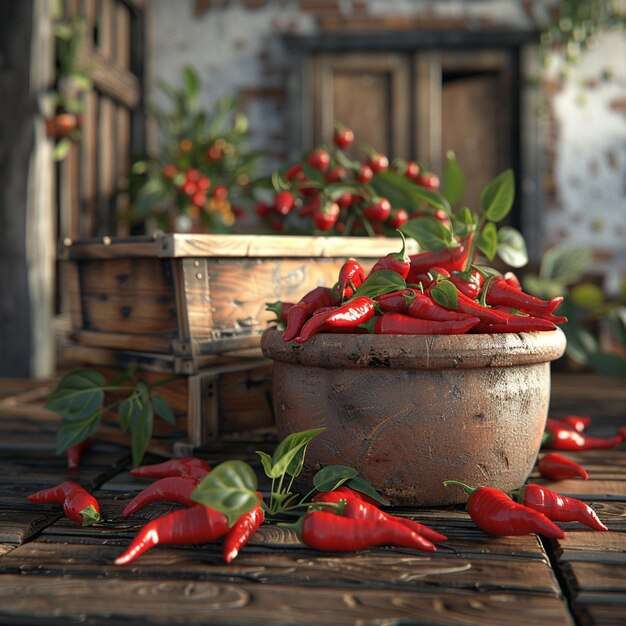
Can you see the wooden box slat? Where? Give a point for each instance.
(197, 295)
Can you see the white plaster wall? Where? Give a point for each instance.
(590, 172)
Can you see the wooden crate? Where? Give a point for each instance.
(197, 297)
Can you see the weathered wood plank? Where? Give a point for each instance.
(380, 568)
(600, 609)
(595, 577)
(592, 546)
(179, 602)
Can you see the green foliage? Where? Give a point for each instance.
(203, 170)
(79, 399)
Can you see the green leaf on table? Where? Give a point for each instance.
(407, 193)
(488, 240)
(267, 463)
(453, 179)
(358, 483)
(496, 199)
(78, 395)
(231, 488)
(162, 408)
(379, 283)
(429, 233)
(445, 294)
(333, 476)
(511, 247)
(288, 458)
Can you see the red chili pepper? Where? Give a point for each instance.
(451, 259)
(471, 307)
(398, 262)
(198, 524)
(345, 318)
(561, 436)
(333, 533)
(169, 489)
(494, 512)
(512, 280)
(74, 454)
(280, 309)
(508, 311)
(577, 422)
(557, 467)
(304, 308)
(424, 307)
(468, 283)
(242, 531)
(351, 275)
(78, 504)
(398, 324)
(187, 466)
(357, 508)
(557, 507)
(516, 324)
(500, 292)
(395, 301)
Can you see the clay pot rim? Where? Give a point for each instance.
(416, 352)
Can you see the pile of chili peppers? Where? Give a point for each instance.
(194, 524)
(431, 293)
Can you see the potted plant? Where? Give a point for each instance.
(419, 401)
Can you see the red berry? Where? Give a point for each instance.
(343, 137)
(283, 202)
(169, 171)
(378, 162)
(411, 169)
(213, 153)
(189, 188)
(192, 174)
(295, 171)
(428, 180)
(365, 174)
(336, 175)
(310, 207)
(204, 183)
(398, 218)
(262, 209)
(220, 192)
(327, 216)
(345, 199)
(319, 159)
(199, 199)
(378, 210)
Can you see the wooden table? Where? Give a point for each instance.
(54, 572)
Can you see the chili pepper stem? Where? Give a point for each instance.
(469, 490)
(90, 515)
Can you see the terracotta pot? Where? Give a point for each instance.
(409, 412)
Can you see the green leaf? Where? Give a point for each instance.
(266, 462)
(62, 148)
(162, 408)
(566, 264)
(445, 294)
(73, 432)
(545, 289)
(580, 342)
(288, 457)
(430, 233)
(391, 183)
(587, 295)
(332, 476)
(192, 84)
(231, 488)
(453, 180)
(78, 395)
(125, 411)
(358, 483)
(496, 199)
(488, 240)
(379, 283)
(511, 247)
(141, 425)
(608, 363)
